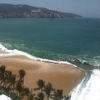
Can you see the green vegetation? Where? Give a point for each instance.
(13, 86)
(26, 11)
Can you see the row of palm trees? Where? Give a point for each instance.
(49, 90)
(13, 86)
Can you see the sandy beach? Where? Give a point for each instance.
(62, 76)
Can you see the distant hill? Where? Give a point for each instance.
(26, 11)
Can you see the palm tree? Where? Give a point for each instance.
(25, 91)
(2, 75)
(18, 86)
(2, 71)
(21, 75)
(40, 84)
(7, 77)
(58, 95)
(40, 96)
(12, 82)
(12, 79)
(48, 89)
(31, 96)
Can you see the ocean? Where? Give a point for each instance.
(76, 41)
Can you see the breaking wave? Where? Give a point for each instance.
(16, 52)
(94, 61)
(89, 88)
(45, 56)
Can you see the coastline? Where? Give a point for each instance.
(62, 75)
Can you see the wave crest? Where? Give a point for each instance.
(18, 52)
(65, 59)
(93, 61)
(89, 88)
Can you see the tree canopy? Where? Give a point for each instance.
(14, 87)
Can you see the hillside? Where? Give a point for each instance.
(26, 11)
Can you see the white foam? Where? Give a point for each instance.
(17, 52)
(2, 48)
(88, 90)
(4, 97)
(94, 61)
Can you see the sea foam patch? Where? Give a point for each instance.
(4, 97)
(18, 52)
(88, 89)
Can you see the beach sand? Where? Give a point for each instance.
(62, 76)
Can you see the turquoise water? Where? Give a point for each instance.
(73, 40)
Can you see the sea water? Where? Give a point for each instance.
(75, 41)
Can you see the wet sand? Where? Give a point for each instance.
(62, 76)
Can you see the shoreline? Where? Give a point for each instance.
(15, 52)
(63, 75)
